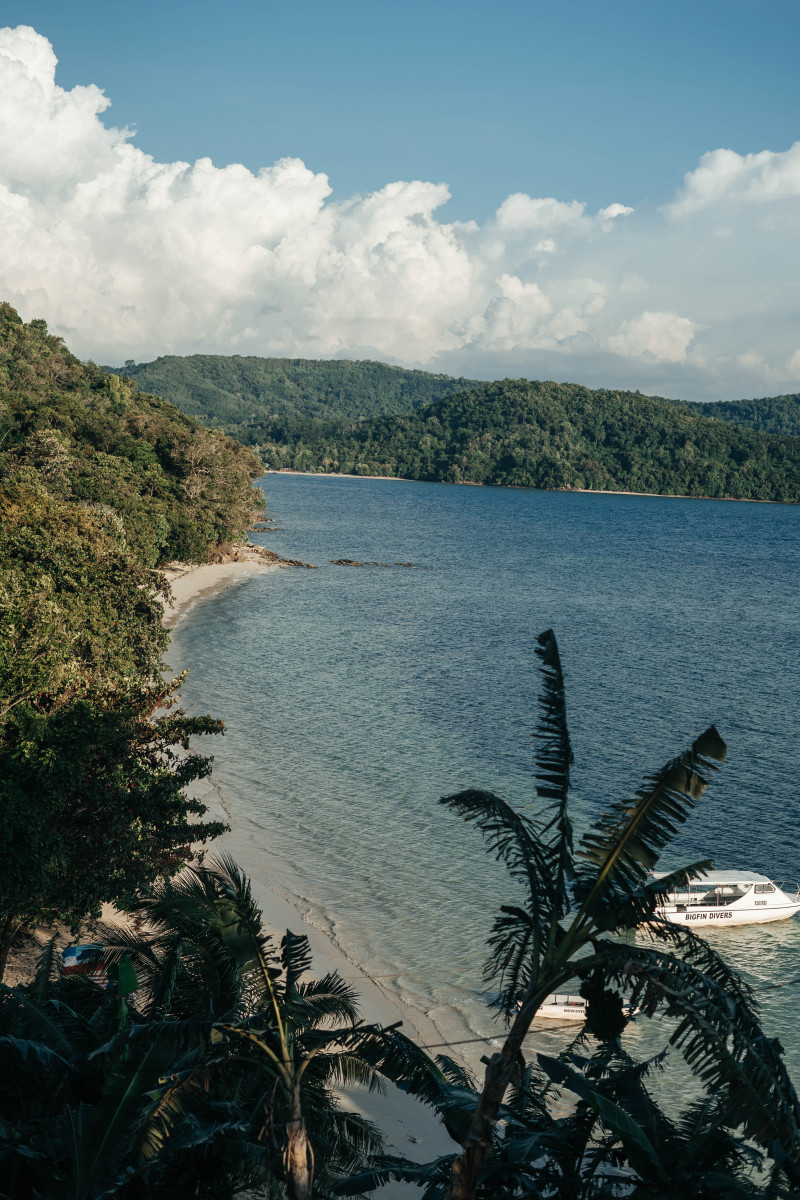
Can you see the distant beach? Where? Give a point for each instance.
(518, 487)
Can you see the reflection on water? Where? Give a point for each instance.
(354, 697)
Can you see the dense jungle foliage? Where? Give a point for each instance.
(89, 437)
(98, 485)
(371, 419)
(549, 435)
(771, 414)
(243, 395)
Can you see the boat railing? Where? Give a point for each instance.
(790, 887)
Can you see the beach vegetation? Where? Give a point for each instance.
(98, 486)
(212, 1066)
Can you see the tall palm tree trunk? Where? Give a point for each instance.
(298, 1156)
(478, 1144)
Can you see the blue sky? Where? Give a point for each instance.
(577, 99)
(607, 193)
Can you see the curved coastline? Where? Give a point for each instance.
(404, 1121)
(515, 487)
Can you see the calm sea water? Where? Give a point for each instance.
(355, 697)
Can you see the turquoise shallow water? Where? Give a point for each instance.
(355, 697)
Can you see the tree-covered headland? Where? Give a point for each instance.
(548, 435)
(98, 486)
(367, 418)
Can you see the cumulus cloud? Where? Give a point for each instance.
(131, 258)
(663, 336)
(726, 176)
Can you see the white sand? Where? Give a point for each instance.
(190, 583)
(411, 1129)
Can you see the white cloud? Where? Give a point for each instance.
(663, 335)
(724, 176)
(128, 257)
(613, 211)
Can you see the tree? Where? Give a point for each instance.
(568, 925)
(94, 751)
(217, 1075)
(280, 1043)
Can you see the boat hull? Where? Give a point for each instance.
(571, 1008)
(562, 1012)
(727, 917)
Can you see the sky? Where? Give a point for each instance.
(604, 194)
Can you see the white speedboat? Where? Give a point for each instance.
(729, 898)
(571, 1008)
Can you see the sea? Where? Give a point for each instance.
(355, 696)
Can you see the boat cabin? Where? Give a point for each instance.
(718, 888)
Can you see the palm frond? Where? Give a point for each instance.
(553, 761)
(721, 1041)
(625, 843)
(639, 905)
(512, 961)
(515, 841)
(329, 998)
(696, 951)
(399, 1060)
(432, 1176)
(295, 959)
(455, 1073)
(348, 1069)
(48, 970)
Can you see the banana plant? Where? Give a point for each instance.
(577, 905)
(281, 1042)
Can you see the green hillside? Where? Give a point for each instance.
(243, 395)
(88, 438)
(550, 435)
(246, 397)
(371, 418)
(771, 414)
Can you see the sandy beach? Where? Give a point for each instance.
(410, 1128)
(190, 582)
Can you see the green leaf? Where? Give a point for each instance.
(640, 1150)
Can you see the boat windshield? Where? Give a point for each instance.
(715, 893)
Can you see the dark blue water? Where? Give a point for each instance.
(355, 697)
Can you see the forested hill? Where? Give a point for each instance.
(771, 414)
(243, 395)
(372, 418)
(88, 440)
(550, 435)
(246, 396)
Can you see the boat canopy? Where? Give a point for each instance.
(713, 878)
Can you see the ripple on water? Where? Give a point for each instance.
(354, 698)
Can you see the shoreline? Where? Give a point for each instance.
(410, 1128)
(191, 582)
(519, 487)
